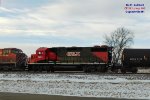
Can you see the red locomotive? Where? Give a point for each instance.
(71, 58)
(12, 59)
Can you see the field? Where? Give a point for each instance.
(78, 84)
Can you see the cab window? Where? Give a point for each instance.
(40, 53)
(6, 52)
(15, 51)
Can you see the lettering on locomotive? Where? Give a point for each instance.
(73, 53)
(135, 59)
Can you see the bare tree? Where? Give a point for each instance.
(119, 39)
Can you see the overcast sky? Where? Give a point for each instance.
(29, 24)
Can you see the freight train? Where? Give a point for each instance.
(87, 59)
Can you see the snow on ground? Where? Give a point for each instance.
(116, 86)
(146, 70)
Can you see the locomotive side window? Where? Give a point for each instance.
(6, 52)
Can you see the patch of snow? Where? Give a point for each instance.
(141, 70)
(119, 86)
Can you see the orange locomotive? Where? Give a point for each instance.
(12, 59)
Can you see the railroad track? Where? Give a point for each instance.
(76, 75)
(71, 73)
(140, 71)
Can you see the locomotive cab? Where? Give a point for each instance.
(40, 56)
(40, 61)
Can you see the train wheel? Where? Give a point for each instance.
(44, 68)
(116, 70)
(99, 68)
(84, 69)
(48, 68)
(134, 70)
(87, 69)
(10, 69)
(52, 69)
(102, 69)
(1, 69)
(123, 71)
(106, 69)
(29, 68)
(34, 68)
(40, 68)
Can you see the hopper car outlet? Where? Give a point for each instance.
(87, 59)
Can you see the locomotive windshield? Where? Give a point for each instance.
(16, 51)
(40, 53)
